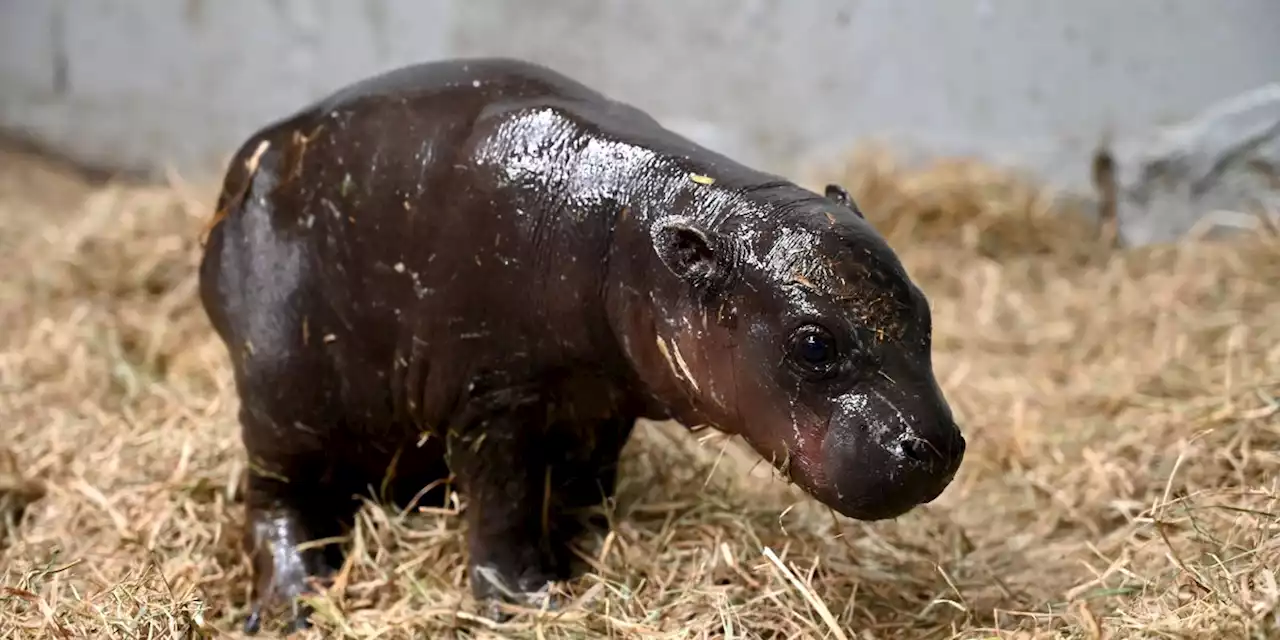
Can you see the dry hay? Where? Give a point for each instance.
(1121, 477)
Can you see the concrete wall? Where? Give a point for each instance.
(139, 84)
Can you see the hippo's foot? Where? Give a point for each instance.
(514, 559)
(282, 572)
(493, 586)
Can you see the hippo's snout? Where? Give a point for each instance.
(933, 462)
(881, 461)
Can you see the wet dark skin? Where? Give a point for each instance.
(483, 270)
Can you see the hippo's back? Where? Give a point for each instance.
(482, 80)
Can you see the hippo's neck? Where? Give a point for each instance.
(647, 305)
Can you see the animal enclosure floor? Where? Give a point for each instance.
(1121, 479)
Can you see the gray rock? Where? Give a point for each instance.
(1216, 173)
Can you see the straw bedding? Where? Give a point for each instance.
(1121, 407)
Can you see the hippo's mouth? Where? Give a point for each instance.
(870, 479)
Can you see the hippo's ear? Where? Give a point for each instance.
(840, 196)
(690, 252)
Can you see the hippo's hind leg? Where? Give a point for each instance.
(259, 289)
(296, 500)
(297, 493)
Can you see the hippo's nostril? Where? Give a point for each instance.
(918, 451)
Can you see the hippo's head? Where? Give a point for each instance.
(797, 327)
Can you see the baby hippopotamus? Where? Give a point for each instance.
(483, 271)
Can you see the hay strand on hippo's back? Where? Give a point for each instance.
(1121, 479)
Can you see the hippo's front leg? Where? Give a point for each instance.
(500, 460)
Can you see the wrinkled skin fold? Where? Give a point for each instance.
(483, 271)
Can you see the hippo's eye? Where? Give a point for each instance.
(813, 348)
